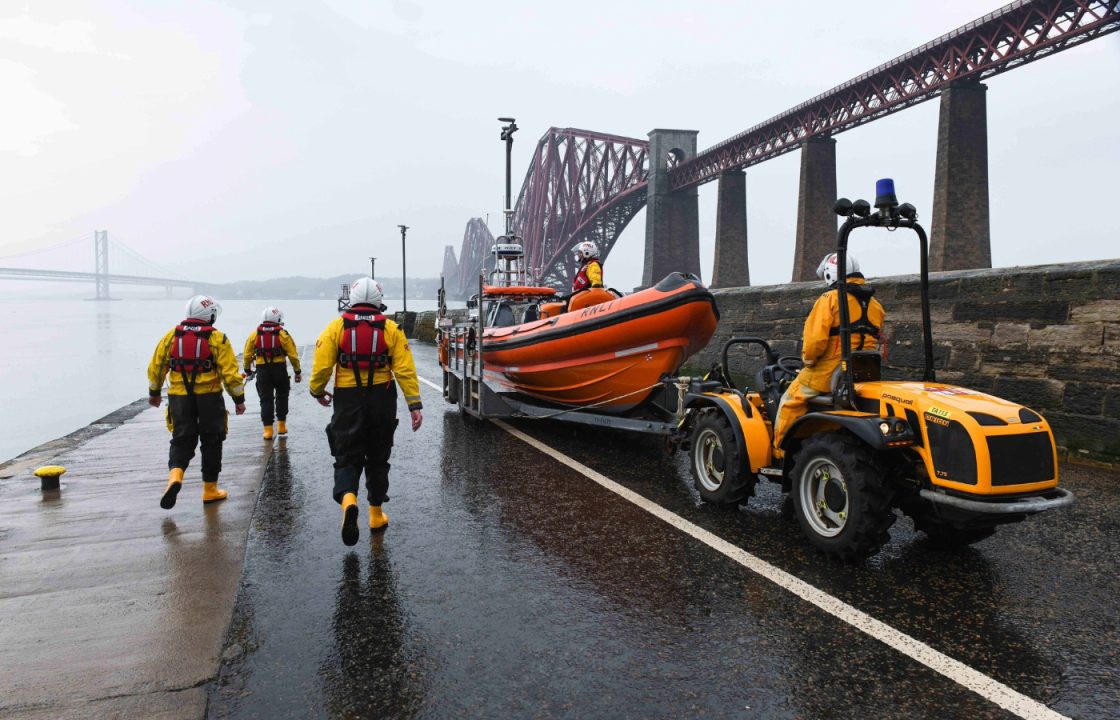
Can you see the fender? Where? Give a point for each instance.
(707, 400)
(863, 426)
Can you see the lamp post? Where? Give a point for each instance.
(372, 265)
(404, 271)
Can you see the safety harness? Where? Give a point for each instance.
(581, 281)
(190, 352)
(363, 345)
(268, 342)
(861, 325)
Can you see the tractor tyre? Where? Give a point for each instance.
(841, 498)
(719, 471)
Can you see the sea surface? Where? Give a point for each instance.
(65, 363)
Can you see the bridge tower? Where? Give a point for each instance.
(731, 268)
(101, 264)
(816, 223)
(960, 231)
(672, 218)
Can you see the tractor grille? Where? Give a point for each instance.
(1021, 459)
(954, 457)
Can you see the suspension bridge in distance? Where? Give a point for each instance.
(129, 268)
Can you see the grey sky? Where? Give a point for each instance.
(245, 140)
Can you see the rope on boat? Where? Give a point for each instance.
(587, 407)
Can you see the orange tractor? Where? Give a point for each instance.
(957, 461)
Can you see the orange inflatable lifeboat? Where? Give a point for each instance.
(605, 351)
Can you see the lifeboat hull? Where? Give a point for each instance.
(610, 355)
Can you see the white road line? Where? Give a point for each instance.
(988, 688)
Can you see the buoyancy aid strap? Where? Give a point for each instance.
(861, 325)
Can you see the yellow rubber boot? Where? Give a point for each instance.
(174, 484)
(211, 493)
(377, 519)
(268, 432)
(281, 427)
(349, 519)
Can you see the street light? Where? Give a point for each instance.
(372, 265)
(404, 271)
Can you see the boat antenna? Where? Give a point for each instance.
(508, 251)
(507, 135)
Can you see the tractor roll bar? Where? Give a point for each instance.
(890, 215)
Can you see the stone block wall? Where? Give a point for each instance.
(1047, 337)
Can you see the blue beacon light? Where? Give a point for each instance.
(884, 193)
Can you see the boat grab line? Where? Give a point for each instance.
(976, 681)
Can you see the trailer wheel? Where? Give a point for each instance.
(840, 497)
(718, 470)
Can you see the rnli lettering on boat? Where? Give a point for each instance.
(596, 309)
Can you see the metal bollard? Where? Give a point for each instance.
(48, 476)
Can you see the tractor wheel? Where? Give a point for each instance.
(719, 471)
(840, 497)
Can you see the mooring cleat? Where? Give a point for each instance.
(349, 519)
(378, 520)
(211, 493)
(174, 484)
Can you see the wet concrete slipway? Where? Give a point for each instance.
(546, 570)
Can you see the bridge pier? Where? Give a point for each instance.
(816, 223)
(731, 267)
(672, 218)
(960, 230)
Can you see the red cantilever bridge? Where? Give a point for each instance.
(584, 185)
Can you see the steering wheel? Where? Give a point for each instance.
(790, 365)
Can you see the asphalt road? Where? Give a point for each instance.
(510, 584)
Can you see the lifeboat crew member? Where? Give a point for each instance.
(820, 350)
(590, 273)
(366, 352)
(271, 347)
(200, 360)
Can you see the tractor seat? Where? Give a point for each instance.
(867, 366)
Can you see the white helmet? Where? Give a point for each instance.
(586, 250)
(366, 291)
(272, 315)
(828, 271)
(204, 308)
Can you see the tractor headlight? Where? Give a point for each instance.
(885, 428)
(899, 427)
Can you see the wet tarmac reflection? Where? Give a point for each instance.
(376, 668)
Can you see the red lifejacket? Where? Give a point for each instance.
(363, 346)
(581, 281)
(190, 351)
(268, 341)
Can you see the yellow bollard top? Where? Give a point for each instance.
(49, 471)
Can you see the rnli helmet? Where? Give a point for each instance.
(586, 250)
(272, 315)
(828, 271)
(366, 291)
(203, 308)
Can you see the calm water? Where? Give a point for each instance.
(67, 363)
